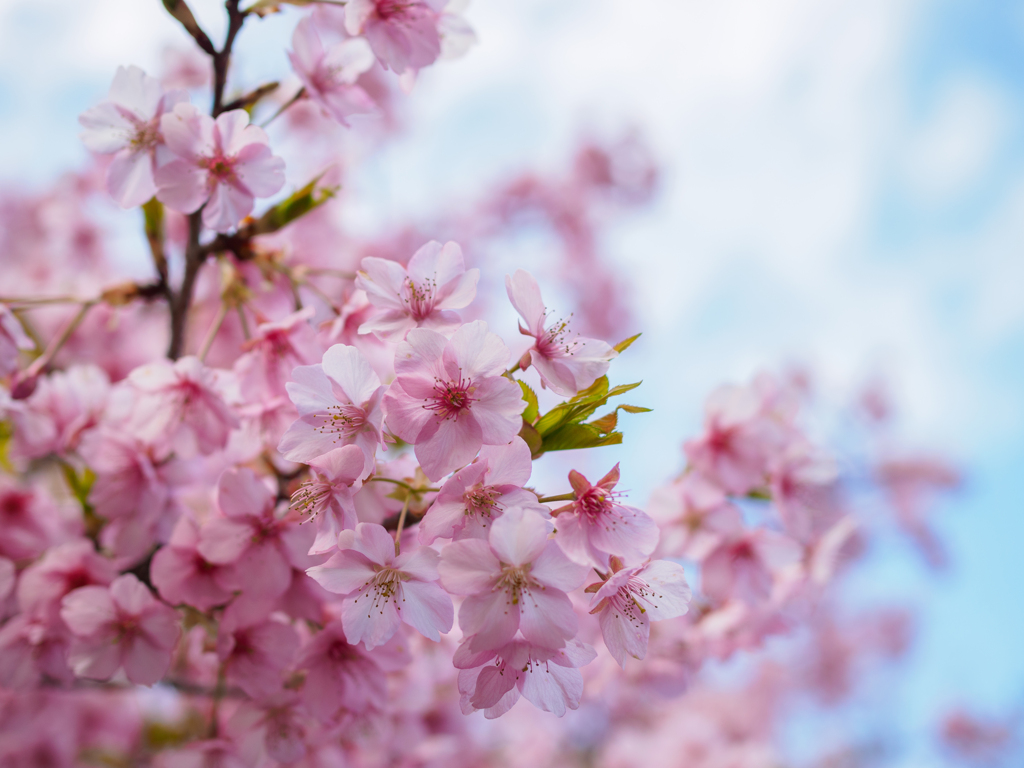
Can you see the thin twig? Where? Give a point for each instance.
(292, 100)
(58, 341)
(403, 484)
(401, 524)
(222, 312)
(563, 497)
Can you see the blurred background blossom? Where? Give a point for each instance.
(839, 187)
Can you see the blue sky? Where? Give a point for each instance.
(843, 187)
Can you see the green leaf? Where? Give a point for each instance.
(582, 406)
(622, 388)
(572, 436)
(607, 423)
(533, 439)
(623, 345)
(297, 204)
(532, 411)
(633, 409)
(80, 485)
(6, 433)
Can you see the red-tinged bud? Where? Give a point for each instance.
(23, 384)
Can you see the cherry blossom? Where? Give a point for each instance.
(181, 407)
(694, 516)
(330, 76)
(422, 294)
(182, 575)
(383, 589)
(744, 565)
(340, 675)
(476, 495)
(327, 498)
(273, 352)
(402, 33)
(255, 651)
(261, 546)
(737, 442)
(449, 398)
(493, 680)
(595, 527)
(567, 363)
(221, 165)
(515, 581)
(123, 626)
(64, 568)
(128, 126)
(339, 404)
(632, 598)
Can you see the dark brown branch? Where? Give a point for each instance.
(222, 58)
(182, 300)
(250, 98)
(180, 10)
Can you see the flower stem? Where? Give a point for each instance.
(401, 524)
(214, 329)
(301, 92)
(403, 484)
(563, 497)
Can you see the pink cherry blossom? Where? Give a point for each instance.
(477, 494)
(64, 405)
(694, 516)
(123, 626)
(567, 363)
(64, 568)
(339, 404)
(182, 575)
(737, 442)
(340, 675)
(743, 566)
(383, 589)
(222, 164)
(402, 33)
(517, 580)
(27, 522)
(181, 406)
(632, 598)
(422, 294)
(278, 722)
(493, 680)
(449, 397)
(327, 498)
(273, 352)
(595, 527)
(13, 339)
(802, 487)
(255, 651)
(127, 125)
(330, 76)
(261, 547)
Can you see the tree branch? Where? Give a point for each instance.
(180, 10)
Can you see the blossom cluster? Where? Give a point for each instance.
(312, 533)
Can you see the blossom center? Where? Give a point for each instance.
(345, 421)
(594, 502)
(383, 588)
(515, 580)
(419, 298)
(555, 341)
(480, 500)
(221, 167)
(451, 398)
(311, 498)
